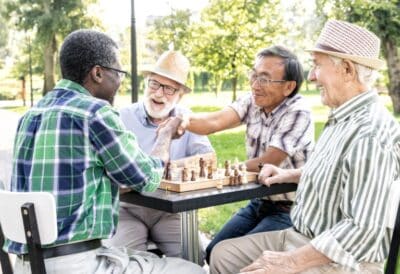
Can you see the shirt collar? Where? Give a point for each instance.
(282, 106)
(71, 85)
(353, 105)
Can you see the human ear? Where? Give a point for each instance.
(96, 74)
(349, 69)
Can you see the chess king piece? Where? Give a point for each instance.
(202, 168)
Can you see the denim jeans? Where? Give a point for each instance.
(258, 216)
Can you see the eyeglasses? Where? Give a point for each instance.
(121, 73)
(155, 85)
(263, 81)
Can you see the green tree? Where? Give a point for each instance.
(3, 35)
(50, 21)
(170, 29)
(381, 17)
(229, 35)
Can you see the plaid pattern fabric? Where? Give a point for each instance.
(75, 147)
(288, 127)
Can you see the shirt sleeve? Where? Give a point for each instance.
(292, 133)
(242, 106)
(125, 163)
(368, 170)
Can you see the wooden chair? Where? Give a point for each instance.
(29, 218)
(394, 223)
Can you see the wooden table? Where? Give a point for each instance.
(187, 204)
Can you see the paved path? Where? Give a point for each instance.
(8, 126)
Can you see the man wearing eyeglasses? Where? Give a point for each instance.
(165, 86)
(279, 131)
(73, 145)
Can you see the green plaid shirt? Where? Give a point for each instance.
(75, 146)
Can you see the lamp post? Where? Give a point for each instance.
(134, 77)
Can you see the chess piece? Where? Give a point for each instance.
(167, 171)
(209, 172)
(242, 168)
(193, 177)
(202, 167)
(231, 180)
(227, 168)
(185, 174)
(235, 176)
(240, 179)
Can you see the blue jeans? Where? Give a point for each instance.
(258, 216)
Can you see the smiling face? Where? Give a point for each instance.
(329, 80)
(269, 96)
(158, 104)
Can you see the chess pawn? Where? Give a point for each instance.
(227, 168)
(185, 174)
(236, 176)
(209, 172)
(193, 177)
(240, 179)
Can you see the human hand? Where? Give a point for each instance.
(170, 127)
(271, 262)
(271, 174)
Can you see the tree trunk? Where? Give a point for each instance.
(234, 87)
(49, 60)
(393, 62)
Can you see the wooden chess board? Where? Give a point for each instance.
(202, 183)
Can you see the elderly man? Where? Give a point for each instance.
(279, 131)
(339, 211)
(165, 86)
(73, 145)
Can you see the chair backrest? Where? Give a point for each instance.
(393, 222)
(11, 219)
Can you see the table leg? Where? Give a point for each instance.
(190, 236)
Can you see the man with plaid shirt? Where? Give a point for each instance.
(73, 145)
(279, 131)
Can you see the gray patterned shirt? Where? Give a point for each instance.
(288, 127)
(344, 186)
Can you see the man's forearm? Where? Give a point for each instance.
(161, 146)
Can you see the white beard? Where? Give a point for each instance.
(157, 113)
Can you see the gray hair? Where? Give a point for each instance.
(82, 50)
(365, 75)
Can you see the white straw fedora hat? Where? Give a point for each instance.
(349, 41)
(173, 65)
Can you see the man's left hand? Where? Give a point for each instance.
(271, 262)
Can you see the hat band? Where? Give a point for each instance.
(328, 48)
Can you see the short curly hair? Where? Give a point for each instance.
(82, 50)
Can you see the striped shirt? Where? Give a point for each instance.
(344, 186)
(288, 127)
(75, 146)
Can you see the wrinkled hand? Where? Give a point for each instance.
(271, 174)
(170, 127)
(180, 128)
(271, 262)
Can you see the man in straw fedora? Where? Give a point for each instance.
(338, 215)
(164, 87)
(279, 131)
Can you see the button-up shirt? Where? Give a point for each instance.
(289, 127)
(75, 146)
(341, 200)
(136, 119)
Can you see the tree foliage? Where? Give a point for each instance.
(3, 36)
(49, 21)
(229, 35)
(382, 18)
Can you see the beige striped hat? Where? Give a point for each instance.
(349, 41)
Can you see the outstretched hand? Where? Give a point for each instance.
(177, 131)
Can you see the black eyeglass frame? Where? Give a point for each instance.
(121, 73)
(169, 91)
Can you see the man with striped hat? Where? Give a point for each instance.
(339, 210)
